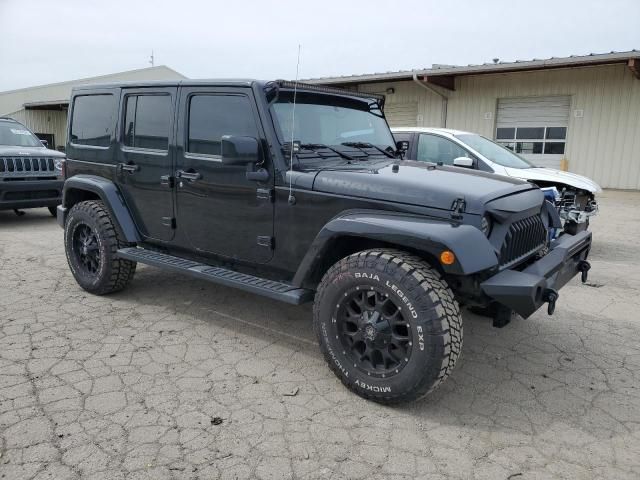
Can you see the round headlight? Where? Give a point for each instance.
(58, 164)
(485, 225)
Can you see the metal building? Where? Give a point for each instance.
(44, 108)
(593, 100)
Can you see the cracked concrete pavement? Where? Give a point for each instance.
(175, 378)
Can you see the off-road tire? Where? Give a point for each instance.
(113, 273)
(425, 301)
(53, 211)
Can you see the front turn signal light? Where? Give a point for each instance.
(447, 257)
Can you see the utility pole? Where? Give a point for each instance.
(152, 59)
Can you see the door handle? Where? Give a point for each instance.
(128, 167)
(189, 176)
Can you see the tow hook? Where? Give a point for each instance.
(551, 296)
(584, 267)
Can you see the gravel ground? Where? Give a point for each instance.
(177, 378)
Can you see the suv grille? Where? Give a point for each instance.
(26, 167)
(524, 238)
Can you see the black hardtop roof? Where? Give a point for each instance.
(225, 82)
(233, 82)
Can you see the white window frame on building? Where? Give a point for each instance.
(534, 127)
(541, 140)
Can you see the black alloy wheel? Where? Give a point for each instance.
(373, 332)
(86, 248)
(91, 242)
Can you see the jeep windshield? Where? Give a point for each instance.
(12, 133)
(330, 123)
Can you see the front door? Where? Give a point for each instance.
(145, 162)
(220, 211)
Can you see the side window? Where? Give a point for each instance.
(212, 116)
(146, 121)
(93, 119)
(432, 148)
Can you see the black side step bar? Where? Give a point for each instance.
(268, 288)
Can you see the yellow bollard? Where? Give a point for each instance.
(564, 165)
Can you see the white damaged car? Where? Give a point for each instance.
(574, 195)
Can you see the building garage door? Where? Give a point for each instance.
(534, 127)
(401, 114)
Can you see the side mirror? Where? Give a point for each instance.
(237, 150)
(402, 146)
(44, 143)
(464, 162)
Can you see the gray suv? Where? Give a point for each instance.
(30, 174)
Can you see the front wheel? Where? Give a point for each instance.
(388, 325)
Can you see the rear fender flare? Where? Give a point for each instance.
(108, 192)
(473, 251)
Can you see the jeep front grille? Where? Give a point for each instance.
(524, 238)
(11, 167)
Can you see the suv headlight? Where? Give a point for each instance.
(57, 163)
(485, 225)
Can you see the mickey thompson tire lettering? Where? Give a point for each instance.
(427, 304)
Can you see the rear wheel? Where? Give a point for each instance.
(388, 325)
(91, 242)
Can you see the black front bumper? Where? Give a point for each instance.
(527, 290)
(30, 194)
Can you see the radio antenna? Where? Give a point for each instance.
(292, 199)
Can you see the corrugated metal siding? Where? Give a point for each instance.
(44, 121)
(401, 114)
(550, 111)
(603, 144)
(429, 105)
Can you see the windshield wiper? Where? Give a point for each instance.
(362, 145)
(317, 146)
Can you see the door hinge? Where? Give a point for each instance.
(169, 222)
(265, 194)
(168, 180)
(265, 241)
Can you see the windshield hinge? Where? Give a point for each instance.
(286, 148)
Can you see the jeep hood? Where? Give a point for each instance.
(558, 177)
(419, 183)
(15, 151)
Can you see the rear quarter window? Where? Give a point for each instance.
(93, 120)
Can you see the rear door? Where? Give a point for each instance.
(146, 153)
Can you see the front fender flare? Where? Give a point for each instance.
(110, 196)
(473, 251)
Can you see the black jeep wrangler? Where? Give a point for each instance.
(30, 173)
(298, 193)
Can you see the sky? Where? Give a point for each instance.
(47, 41)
